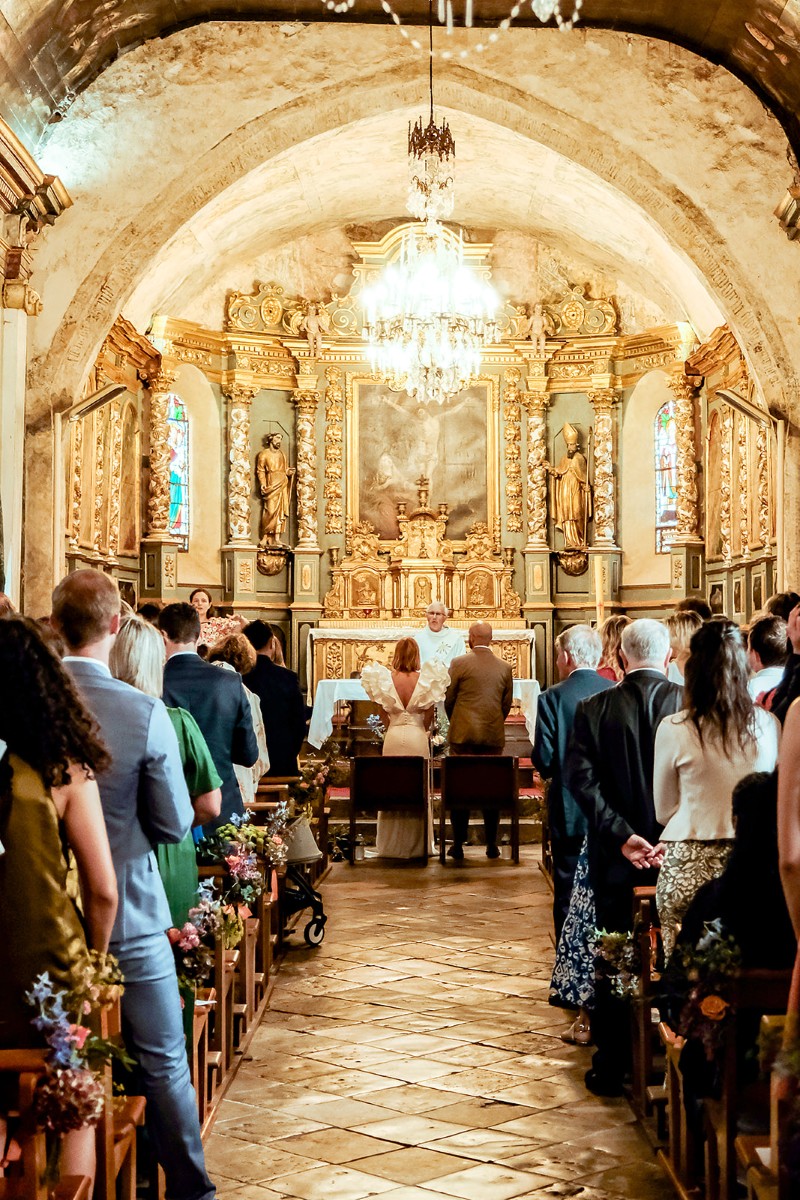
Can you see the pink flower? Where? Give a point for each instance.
(173, 935)
(189, 937)
(78, 1034)
(319, 778)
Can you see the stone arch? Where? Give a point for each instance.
(57, 372)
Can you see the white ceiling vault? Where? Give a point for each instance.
(227, 152)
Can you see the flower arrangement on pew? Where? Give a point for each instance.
(317, 775)
(247, 852)
(193, 945)
(71, 1094)
(704, 976)
(618, 959)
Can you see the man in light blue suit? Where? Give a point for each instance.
(145, 802)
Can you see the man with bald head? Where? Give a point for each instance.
(478, 701)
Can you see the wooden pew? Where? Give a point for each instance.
(122, 1116)
(24, 1179)
(647, 933)
(682, 1157)
(754, 991)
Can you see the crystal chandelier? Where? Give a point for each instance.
(428, 317)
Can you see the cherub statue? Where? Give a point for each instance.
(536, 325)
(315, 322)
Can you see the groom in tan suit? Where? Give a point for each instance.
(478, 701)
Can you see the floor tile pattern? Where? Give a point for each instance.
(413, 1055)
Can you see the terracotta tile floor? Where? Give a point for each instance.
(414, 1055)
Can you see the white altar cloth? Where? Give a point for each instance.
(331, 691)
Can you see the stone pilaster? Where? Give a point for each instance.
(603, 402)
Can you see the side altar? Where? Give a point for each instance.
(381, 590)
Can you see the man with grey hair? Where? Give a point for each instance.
(436, 642)
(578, 651)
(609, 771)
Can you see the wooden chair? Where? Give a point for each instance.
(362, 739)
(388, 785)
(198, 1053)
(24, 1180)
(754, 992)
(682, 1157)
(480, 781)
(244, 980)
(122, 1116)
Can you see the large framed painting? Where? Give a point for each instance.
(393, 440)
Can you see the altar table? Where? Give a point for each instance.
(331, 691)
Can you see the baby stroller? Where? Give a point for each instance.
(298, 892)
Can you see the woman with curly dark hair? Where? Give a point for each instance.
(701, 753)
(49, 752)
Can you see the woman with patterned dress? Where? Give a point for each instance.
(572, 984)
(701, 753)
(49, 808)
(407, 694)
(212, 627)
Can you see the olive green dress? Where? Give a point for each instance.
(40, 929)
(178, 863)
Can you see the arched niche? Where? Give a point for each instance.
(641, 565)
(201, 563)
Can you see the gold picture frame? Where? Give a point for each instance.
(392, 440)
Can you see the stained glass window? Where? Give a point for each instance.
(666, 469)
(178, 433)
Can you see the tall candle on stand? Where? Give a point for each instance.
(598, 589)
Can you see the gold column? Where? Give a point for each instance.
(240, 400)
(536, 406)
(512, 413)
(762, 485)
(306, 401)
(603, 402)
(158, 501)
(685, 405)
(114, 481)
(725, 481)
(744, 488)
(334, 416)
(77, 483)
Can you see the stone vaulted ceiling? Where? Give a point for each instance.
(52, 49)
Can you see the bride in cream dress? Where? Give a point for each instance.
(407, 695)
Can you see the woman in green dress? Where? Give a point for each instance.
(137, 658)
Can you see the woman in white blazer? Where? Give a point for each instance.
(701, 753)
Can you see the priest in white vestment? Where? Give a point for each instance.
(436, 642)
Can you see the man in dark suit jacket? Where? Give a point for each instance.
(282, 705)
(478, 701)
(145, 801)
(216, 699)
(578, 653)
(609, 770)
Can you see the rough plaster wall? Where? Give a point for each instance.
(317, 264)
(137, 133)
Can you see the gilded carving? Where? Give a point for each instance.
(158, 500)
(511, 601)
(334, 416)
(77, 485)
(725, 481)
(100, 422)
(239, 488)
(274, 477)
(246, 575)
(512, 412)
(743, 487)
(685, 396)
(537, 471)
(764, 524)
(603, 402)
(334, 660)
(306, 402)
(115, 480)
(170, 570)
(572, 499)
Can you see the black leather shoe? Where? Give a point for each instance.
(456, 851)
(492, 852)
(602, 1085)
